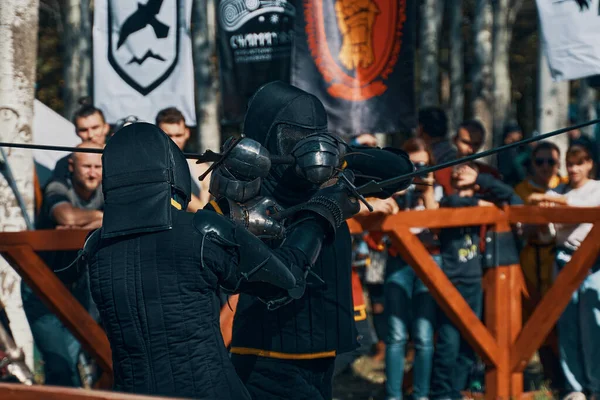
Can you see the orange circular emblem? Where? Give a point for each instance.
(355, 44)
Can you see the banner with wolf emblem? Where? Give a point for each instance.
(255, 45)
(357, 56)
(570, 31)
(143, 58)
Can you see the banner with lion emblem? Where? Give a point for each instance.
(357, 56)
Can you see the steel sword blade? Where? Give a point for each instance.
(208, 156)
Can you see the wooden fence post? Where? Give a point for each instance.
(503, 315)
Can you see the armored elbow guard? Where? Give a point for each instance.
(257, 267)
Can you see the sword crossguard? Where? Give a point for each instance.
(355, 192)
(218, 158)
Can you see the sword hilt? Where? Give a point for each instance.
(355, 192)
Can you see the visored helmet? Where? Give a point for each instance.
(279, 116)
(144, 178)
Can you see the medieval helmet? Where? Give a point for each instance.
(145, 176)
(279, 116)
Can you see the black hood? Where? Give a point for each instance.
(144, 178)
(279, 115)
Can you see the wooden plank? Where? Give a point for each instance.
(226, 319)
(45, 240)
(445, 294)
(440, 218)
(545, 215)
(504, 320)
(555, 301)
(474, 216)
(497, 320)
(13, 391)
(105, 382)
(516, 293)
(61, 302)
(445, 217)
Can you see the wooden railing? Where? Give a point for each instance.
(19, 249)
(503, 343)
(10, 391)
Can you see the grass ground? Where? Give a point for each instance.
(366, 382)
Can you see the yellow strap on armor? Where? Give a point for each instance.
(215, 205)
(175, 204)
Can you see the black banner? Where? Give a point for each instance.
(255, 44)
(357, 56)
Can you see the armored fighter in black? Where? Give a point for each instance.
(287, 350)
(154, 268)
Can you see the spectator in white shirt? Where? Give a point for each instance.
(579, 325)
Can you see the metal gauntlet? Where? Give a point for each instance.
(254, 215)
(240, 176)
(318, 156)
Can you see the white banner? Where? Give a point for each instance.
(571, 32)
(143, 58)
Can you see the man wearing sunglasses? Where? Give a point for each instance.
(537, 256)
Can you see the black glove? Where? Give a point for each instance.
(379, 164)
(334, 203)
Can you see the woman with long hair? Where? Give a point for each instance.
(409, 306)
(579, 325)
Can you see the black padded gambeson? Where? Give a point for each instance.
(322, 321)
(158, 304)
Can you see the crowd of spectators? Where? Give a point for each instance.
(404, 322)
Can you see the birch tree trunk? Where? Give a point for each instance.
(456, 65)
(18, 54)
(204, 49)
(553, 106)
(77, 42)
(586, 99)
(500, 69)
(505, 14)
(431, 23)
(483, 86)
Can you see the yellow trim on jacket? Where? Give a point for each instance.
(282, 356)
